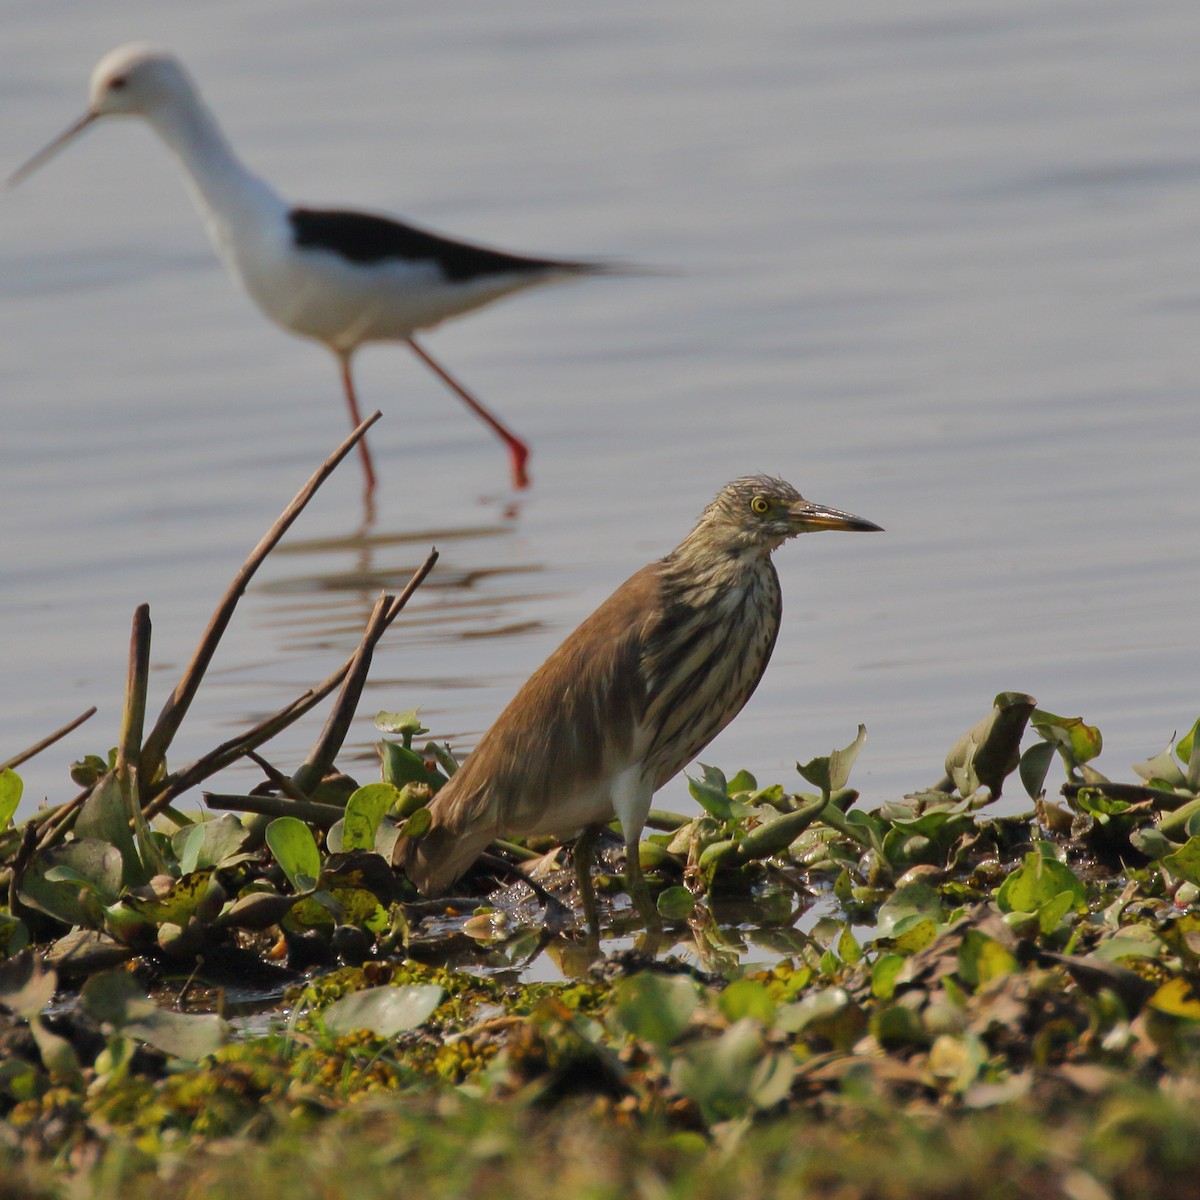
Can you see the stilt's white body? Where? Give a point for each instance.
(340, 277)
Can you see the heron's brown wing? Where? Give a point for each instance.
(537, 769)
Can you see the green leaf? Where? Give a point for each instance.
(95, 863)
(712, 794)
(830, 773)
(883, 975)
(25, 988)
(105, 817)
(730, 1075)
(295, 850)
(982, 959)
(10, 795)
(778, 832)
(1078, 741)
(1184, 863)
(747, 998)
(219, 842)
(913, 899)
(385, 1011)
(114, 998)
(676, 903)
(654, 1008)
(1163, 768)
(1183, 748)
(991, 749)
(364, 810)
(1037, 881)
(406, 724)
(402, 765)
(1035, 763)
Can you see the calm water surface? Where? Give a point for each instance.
(935, 263)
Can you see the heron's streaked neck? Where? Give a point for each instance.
(713, 558)
(222, 187)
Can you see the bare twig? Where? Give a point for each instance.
(134, 714)
(277, 777)
(38, 747)
(154, 751)
(321, 757)
(311, 811)
(333, 736)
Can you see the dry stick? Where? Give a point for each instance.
(329, 744)
(134, 716)
(277, 777)
(230, 751)
(312, 811)
(38, 747)
(155, 750)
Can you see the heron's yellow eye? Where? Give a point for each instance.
(760, 505)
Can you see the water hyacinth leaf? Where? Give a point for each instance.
(1036, 882)
(991, 749)
(654, 1008)
(913, 933)
(384, 1011)
(295, 850)
(58, 1056)
(830, 773)
(1177, 997)
(418, 824)
(743, 783)
(1136, 941)
(777, 834)
(1184, 863)
(883, 975)
(917, 899)
(675, 903)
(982, 960)
(407, 724)
(218, 842)
(97, 864)
(26, 988)
(115, 998)
(1183, 749)
(403, 765)
(1051, 914)
(1161, 769)
(730, 1075)
(1034, 766)
(10, 795)
(1078, 741)
(14, 935)
(747, 999)
(364, 811)
(849, 951)
(104, 817)
(711, 792)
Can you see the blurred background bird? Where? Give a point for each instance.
(338, 276)
(640, 688)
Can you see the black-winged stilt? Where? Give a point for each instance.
(340, 277)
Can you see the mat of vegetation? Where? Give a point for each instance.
(985, 1005)
(928, 998)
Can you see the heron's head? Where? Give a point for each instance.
(759, 512)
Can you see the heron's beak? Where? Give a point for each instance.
(808, 518)
(48, 152)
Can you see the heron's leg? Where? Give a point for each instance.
(343, 357)
(518, 451)
(639, 893)
(585, 845)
